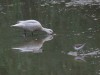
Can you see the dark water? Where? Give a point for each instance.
(50, 55)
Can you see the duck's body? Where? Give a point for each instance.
(32, 25)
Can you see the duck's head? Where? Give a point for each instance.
(48, 31)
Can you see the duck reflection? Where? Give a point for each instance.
(34, 46)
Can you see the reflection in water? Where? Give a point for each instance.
(3, 70)
(34, 46)
(77, 24)
(80, 56)
(82, 2)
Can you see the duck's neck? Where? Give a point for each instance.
(45, 29)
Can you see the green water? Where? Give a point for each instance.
(50, 55)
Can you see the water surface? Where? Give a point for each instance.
(50, 55)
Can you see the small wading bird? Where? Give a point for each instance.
(79, 46)
(32, 25)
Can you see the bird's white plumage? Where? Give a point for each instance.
(32, 25)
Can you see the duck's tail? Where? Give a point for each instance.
(17, 25)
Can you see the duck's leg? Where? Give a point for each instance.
(25, 32)
(32, 33)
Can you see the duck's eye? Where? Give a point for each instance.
(50, 31)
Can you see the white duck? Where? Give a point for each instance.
(32, 25)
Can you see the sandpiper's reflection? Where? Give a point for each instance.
(82, 56)
(77, 56)
(34, 46)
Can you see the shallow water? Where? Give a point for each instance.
(75, 49)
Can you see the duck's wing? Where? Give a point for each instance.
(32, 21)
(29, 21)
